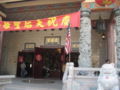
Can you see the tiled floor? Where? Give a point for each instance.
(34, 84)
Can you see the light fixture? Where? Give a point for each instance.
(103, 36)
(100, 25)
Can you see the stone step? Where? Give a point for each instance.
(34, 84)
(28, 88)
(24, 86)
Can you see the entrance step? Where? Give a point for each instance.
(21, 88)
(33, 84)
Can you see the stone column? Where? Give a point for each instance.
(1, 34)
(117, 28)
(1, 40)
(85, 39)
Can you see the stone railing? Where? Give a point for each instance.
(5, 79)
(80, 78)
(67, 77)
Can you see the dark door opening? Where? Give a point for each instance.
(50, 64)
(27, 58)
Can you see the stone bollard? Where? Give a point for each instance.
(65, 76)
(70, 75)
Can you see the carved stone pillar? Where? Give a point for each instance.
(85, 39)
(117, 28)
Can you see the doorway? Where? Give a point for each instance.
(50, 64)
(27, 57)
(45, 62)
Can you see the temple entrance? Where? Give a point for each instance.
(44, 62)
(41, 63)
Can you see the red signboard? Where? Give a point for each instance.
(104, 2)
(41, 24)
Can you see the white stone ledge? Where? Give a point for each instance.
(6, 79)
(7, 76)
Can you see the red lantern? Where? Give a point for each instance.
(62, 57)
(38, 57)
(20, 59)
(104, 2)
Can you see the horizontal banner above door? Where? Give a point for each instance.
(41, 24)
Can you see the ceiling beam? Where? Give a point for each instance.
(6, 1)
(3, 14)
(38, 2)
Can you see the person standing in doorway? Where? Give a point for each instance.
(23, 70)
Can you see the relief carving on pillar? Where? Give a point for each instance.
(85, 43)
(117, 19)
(117, 27)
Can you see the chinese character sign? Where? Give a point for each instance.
(41, 24)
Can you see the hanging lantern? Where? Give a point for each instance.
(62, 57)
(100, 25)
(38, 57)
(20, 59)
(59, 50)
(104, 2)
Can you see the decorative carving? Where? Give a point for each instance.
(85, 39)
(108, 79)
(117, 11)
(104, 2)
(117, 28)
(117, 19)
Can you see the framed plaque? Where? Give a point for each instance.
(52, 40)
(75, 46)
(29, 45)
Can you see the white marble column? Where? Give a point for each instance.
(117, 28)
(85, 39)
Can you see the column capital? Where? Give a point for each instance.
(85, 12)
(117, 11)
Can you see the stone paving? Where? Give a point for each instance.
(34, 84)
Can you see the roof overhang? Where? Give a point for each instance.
(7, 1)
(37, 2)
